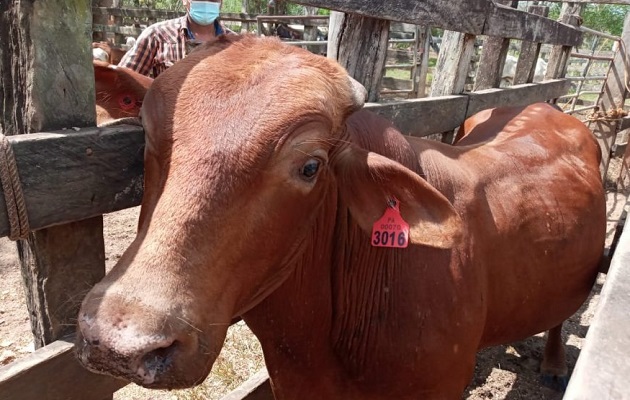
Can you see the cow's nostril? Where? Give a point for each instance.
(156, 362)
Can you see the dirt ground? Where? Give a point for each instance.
(504, 372)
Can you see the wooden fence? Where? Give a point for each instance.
(131, 22)
(77, 176)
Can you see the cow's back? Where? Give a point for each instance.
(529, 183)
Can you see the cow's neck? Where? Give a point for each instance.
(294, 322)
(336, 313)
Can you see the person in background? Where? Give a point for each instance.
(162, 44)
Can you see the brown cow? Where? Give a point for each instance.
(119, 92)
(266, 209)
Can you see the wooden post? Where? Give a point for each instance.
(244, 8)
(492, 59)
(452, 63)
(310, 31)
(613, 98)
(360, 45)
(47, 83)
(451, 69)
(527, 60)
(101, 20)
(259, 27)
(421, 61)
(559, 57)
(119, 38)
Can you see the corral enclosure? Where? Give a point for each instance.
(95, 171)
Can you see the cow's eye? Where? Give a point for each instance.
(309, 169)
(127, 102)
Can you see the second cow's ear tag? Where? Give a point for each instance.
(391, 230)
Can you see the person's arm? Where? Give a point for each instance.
(140, 56)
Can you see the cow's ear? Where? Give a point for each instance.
(103, 72)
(368, 180)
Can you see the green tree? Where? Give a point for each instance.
(600, 17)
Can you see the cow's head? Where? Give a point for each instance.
(245, 140)
(119, 91)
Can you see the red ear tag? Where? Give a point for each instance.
(391, 230)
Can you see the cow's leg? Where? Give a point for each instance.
(554, 365)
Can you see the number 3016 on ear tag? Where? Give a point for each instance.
(391, 230)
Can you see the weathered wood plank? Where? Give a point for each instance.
(101, 19)
(137, 12)
(63, 262)
(96, 171)
(257, 387)
(71, 175)
(359, 44)
(491, 63)
(602, 369)
(421, 72)
(122, 30)
(401, 27)
(492, 59)
(311, 20)
(526, 66)
(452, 64)
(397, 84)
(146, 13)
(517, 95)
(399, 57)
(516, 24)
(422, 117)
(53, 373)
(466, 16)
(559, 57)
(477, 17)
(451, 69)
(48, 61)
(62, 95)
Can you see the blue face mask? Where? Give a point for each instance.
(204, 12)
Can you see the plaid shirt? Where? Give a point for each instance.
(162, 44)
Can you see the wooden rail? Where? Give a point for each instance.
(257, 387)
(311, 20)
(477, 17)
(69, 176)
(53, 372)
(146, 14)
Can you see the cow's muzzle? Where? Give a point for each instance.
(151, 350)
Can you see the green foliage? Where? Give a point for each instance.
(605, 18)
(554, 10)
(600, 17)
